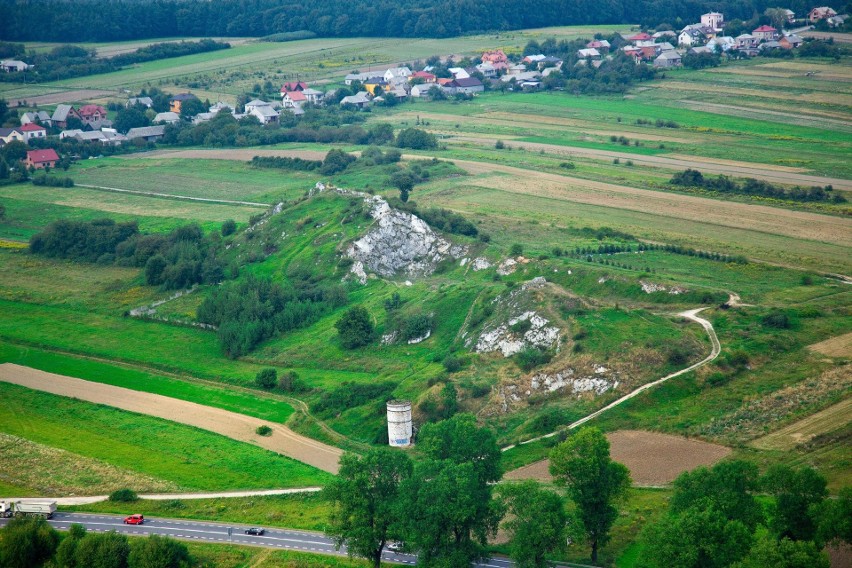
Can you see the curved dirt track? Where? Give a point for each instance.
(653, 459)
(89, 499)
(231, 424)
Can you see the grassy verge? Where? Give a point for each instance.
(189, 457)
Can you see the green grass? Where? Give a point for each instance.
(308, 511)
(249, 402)
(189, 457)
(233, 556)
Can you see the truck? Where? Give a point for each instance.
(43, 509)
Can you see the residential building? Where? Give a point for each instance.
(39, 117)
(61, 115)
(690, 36)
(13, 65)
(668, 59)
(458, 73)
(166, 118)
(601, 45)
(791, 41)
(361, 77)
(220, 106)
(12, 135)
(837, 21)
(721, 44)
(397, 74)
(642, 36)
(147, 133)
(376, 86)
(713, 20)
(488, 70)
(263, 110)
(360, 99)
(144, 101)
(176, 101)
(495, 57)
(821, 13)
(746, 41)
(425, 76)
(293, 99)
(291, 86)
(90, 114)
(203, 117)
(467, 85)
(40, 159)
(314, 96)
(791, 16)
(589, 53)
(765, 33)
(31, 131)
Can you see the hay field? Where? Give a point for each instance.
(840, 346)
(828, 420)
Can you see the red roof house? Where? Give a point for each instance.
(427, 77)
(40, 159)
(495, 56)
(640, 37)
(92, 113)
(32, 130)
(766, 33)
(291, 86)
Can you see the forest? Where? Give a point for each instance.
(109, 20)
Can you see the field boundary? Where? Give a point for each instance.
(173, 196)
(92, 499)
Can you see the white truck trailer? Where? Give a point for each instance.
(43, 509)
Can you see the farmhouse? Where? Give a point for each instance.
(360, 99)
(293, 99)
(313, 96)
(147, 133)
(721, 43)
(220, 106)
(61, 115)
(361, 77)
(13, 65)
(11, 135)
(790, 41)
(40, 159)
(821, 13)
(176, 101)
(376, 86)
(458, 73)
(488, 70)
(765, 33)
(263, 111)
(601, 45)
(423, 77)
(40, 117)
(495, 58)
(291, 86)
(397, 74)
(642, 36)
(589, 53)
(106, 137)
(92, 114)
(144, 101)
(466, 85)
(690, 36)
(31, 131)
(167, 118)
(746, 41)
(668, 59)
(791, 16)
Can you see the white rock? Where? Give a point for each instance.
(419, 339)
(507, 267)
(480, 263)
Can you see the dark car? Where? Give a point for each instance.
(255, 531)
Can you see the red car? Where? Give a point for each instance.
(134, 520)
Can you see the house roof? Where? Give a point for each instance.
(296, 96)
(468, 82)
(265, 111)
(598, 43)
(640, 37)
(167, 117)
(590, 52)
(7, 131)
(293, 86)
(61, 112)
(141, 101)
(764, 29)
(311, 92)
(87, 110)
(146, 131)
(257, 103)
(31, 127)
(670, 55)
(358, 98)
(39, 156)
(182, 97)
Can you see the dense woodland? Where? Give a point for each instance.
(113, 20)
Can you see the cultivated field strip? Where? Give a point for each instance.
(231, 424)
(804, 430)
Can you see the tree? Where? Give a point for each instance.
(158, 552)
(191, 107)
(229, 227)
(289, 381)
(777, 16)
(416, 139)
(336, 161)
(786, 553)
(266, 378)
(355, 328)
(727, 487)
(450, 398)
(538, 524)
(154, 269)
(694, 538)
(448, 499)
(14, 151)
(103, 550)
(404, 182)
(67, 551)
(796, 492)
(365, 497)
(27, 543)
(835, 518)
(582, 463)
(130, 118)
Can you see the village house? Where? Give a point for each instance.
(144, 101)
(39, 117)
(690, 36)
(488, 70)
(61, 115)
(791, 41)
(495, 57)
(107, 137)
(662, 34)
(219, 107)
(313, 96)
(376, 86)
(466, 85)
(589, 53)
(360, 99)
(765, 33)
(8, 135)
(146, 133)
(423, 76)
(714, 20)
(821, 13)
(601, 45)
(532, 58)
(721, 44)
(294, 99)
(458, 73)
(423, 89)
(176, 101)
(32, 131)
(263, 111)
(203, 117)
(397, 75)
(791, 16)
(166, 118)
(837, 21)
(40, 159)
(550, 61)
(361, 77)
(291, 86)
(642, 36)
(746, 41)
(13, 65)
(92, 114)
(667, 60)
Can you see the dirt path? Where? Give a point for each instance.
(231, 424)
(653, 459)
(714, 352)
(172, 196)
(88, 500)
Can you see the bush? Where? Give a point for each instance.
(355, 328)
(516, 250)
(453, 364)
(416, 139)
(289, 382)
(349, 395)
(123, 496)
(263, 430)
(336, 161)
(229, 227)
(520, 327)
(499, 145)
(266, 378)
(530, 358)
(776, 319)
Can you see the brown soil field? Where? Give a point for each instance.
(653, 459)
(840, 346)
(789, 437)
(64, 97)
(231, 424)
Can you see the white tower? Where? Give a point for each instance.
(399, 423)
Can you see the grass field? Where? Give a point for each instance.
(156, 448)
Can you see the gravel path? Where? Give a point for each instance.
(231, 424)
(172, 196)
(88, 500)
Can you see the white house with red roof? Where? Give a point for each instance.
(92, 113)
(32, 130)
(40, 159)
(821, 13)
(424, 75)
(293, 99)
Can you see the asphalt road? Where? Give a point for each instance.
(218, 532)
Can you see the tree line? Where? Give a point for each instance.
(68, 61)
(751, 186)
(106, 20)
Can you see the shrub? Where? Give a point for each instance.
(516, 250)
(520, 327)
(530, 358)
(355, 328)
(415, 326)
(567, 165)
(229, 227)
(416, 139)
(453, 364)
(263, 430)
(123, 496)
(336, 161)
(289, 382)
(499, 145)
(349, 395)
(266, 378)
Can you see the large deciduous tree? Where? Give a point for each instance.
(796, 493)
(449, 512)
(27, 543)
(769, 552)
(537, 525)
(594, 482)
(365, 495)
(355, 328)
